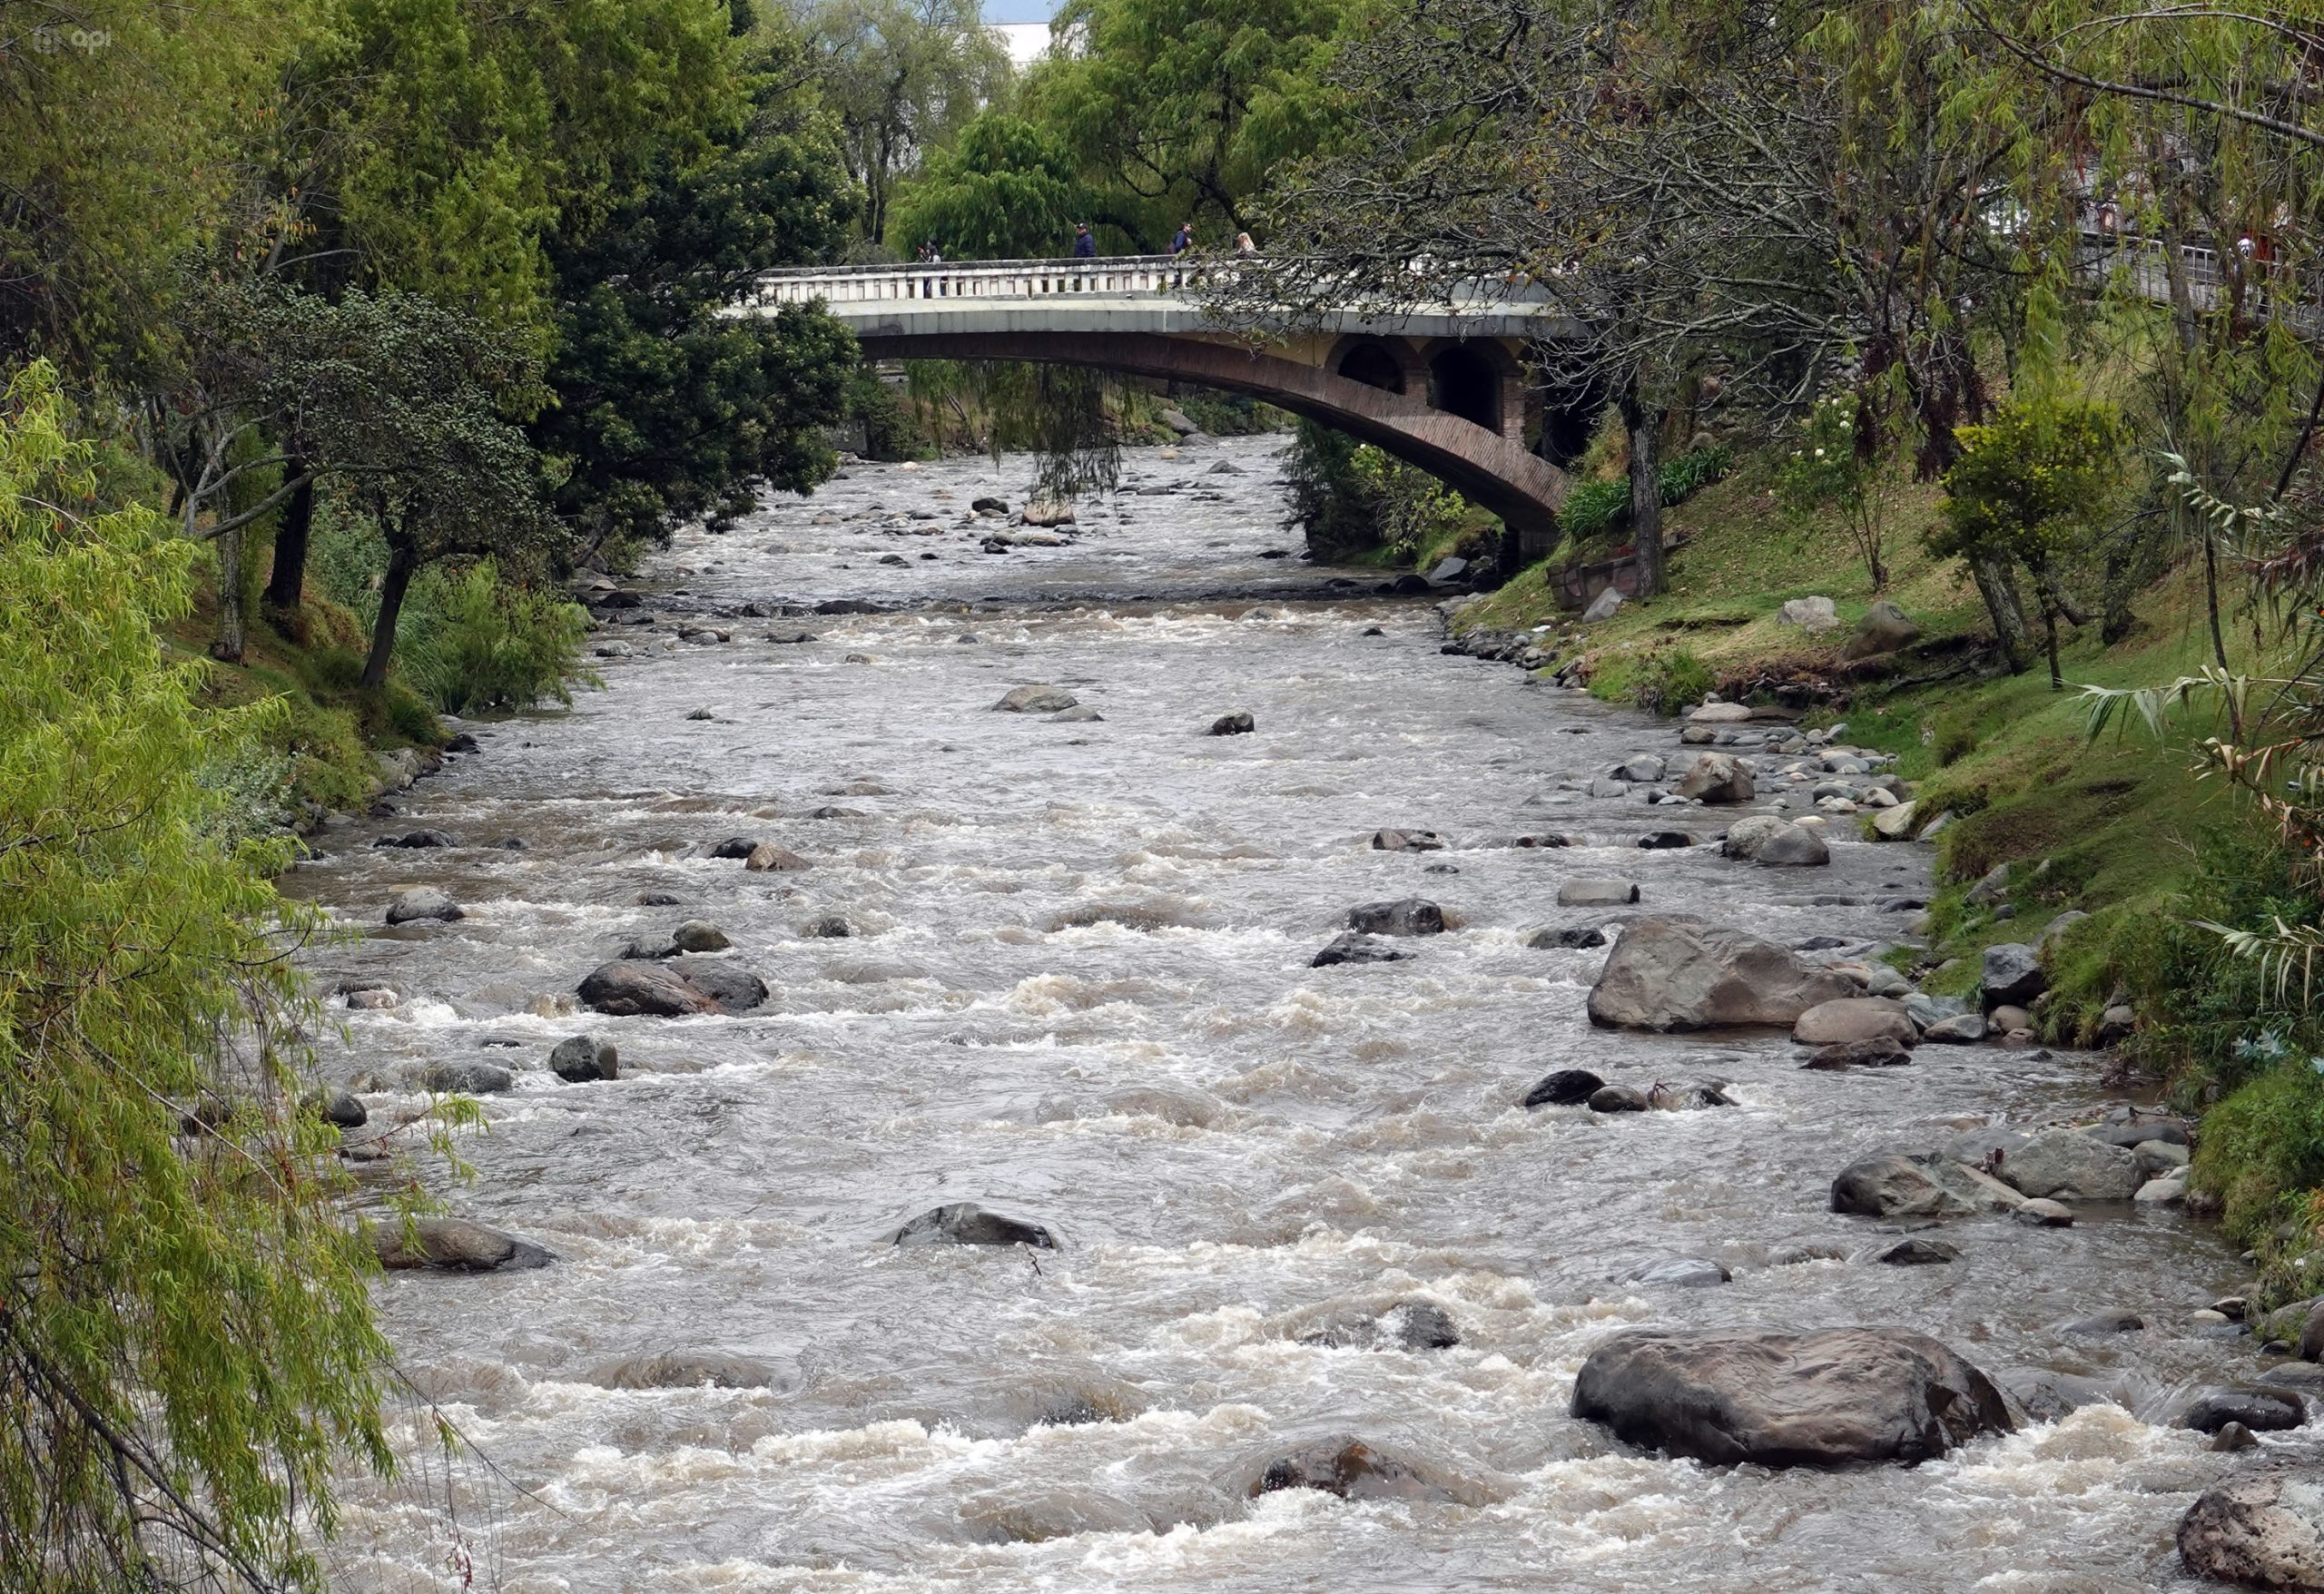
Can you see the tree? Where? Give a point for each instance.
(1007, 190)
(663, 408)
(904, 77)
(186, 1344)
(2026, 488)
(1183, 110)
(1840, 468)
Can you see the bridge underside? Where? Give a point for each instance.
(1484, 463)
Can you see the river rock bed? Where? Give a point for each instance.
(1312, 1282)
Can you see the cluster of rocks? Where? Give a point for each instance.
(2038, 1175)
(1581, 1088)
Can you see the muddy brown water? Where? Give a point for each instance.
(1078, 992)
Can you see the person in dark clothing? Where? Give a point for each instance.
(1085, 242)
(1185, 241)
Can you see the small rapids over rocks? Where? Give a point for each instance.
(1318, 1284)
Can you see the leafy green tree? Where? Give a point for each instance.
(663, 408)
(1006, 191)
(2027, 489)
(904, 77)
(1182, 109)
(186, 1343)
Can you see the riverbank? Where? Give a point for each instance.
(2045, 821)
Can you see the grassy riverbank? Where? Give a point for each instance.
(2123, 827)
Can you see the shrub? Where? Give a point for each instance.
(471, 641)
(1593, 509)
(1681, 479)
(1665, 681)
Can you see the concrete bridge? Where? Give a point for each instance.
(1442, 387)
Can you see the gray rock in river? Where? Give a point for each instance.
(628, 988)
(1781, 1400)
(1961, 1030)
(2265, 1530)
(1406, 841)
(1717, 777)
(452, 1245)
(1682, 1273)
(685, 1369)
(1569, 936)
(1855, 1018)
(1566, 1087)
(2012, 975)
(1675, 972)
(1918, 1184)
(1586, 892)
(1618, 1098)
(340, 1108)
(1408, 1325)
(2262, 1409)
(734, 847)
(699, 935)
(767, 858)
(964, 1223)
(1776, 841)
(1035, 700)
(1234, 724)
(2066, 1165)
(1404, 916)
(1916, 1251)
(1878, 1052)
(579, 1059)
(1349, 1468)
(466, 1078)
(422, 903)
(1352, 947)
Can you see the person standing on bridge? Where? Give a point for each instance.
(1244, 246)
(1085, 242)
(1185, 241)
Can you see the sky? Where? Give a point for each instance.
(1019, 11)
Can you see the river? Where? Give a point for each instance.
(1078, 991)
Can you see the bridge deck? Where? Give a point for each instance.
(1135, 293)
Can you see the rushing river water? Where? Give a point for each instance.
(1078, 991)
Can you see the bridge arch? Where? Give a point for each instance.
(1437, 386)
(1487, 468)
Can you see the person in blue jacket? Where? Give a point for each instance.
(1085, 242)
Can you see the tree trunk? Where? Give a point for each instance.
(1645, 428)
(287, 582)
(2050, 625)
(401, 562)
(2001, 602)
(228, 647)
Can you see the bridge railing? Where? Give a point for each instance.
(1106, 276)
(1116, 276)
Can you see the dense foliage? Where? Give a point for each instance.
(185, 1344)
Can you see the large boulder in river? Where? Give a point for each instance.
(1035, 700)
(628, 988)
(1677, 972)
(1772, 840)
(1352, 947)
(452, 1245)
(466, 1078)
(422, 903)
(1919, 1184)
(1404, 916)
(2264, 1532)
(2066, 1165)
(1850, 1019)
(1717, 777)
(579, 1059)
(1565, 1088)
(1841, 1395)
(964, 1223)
